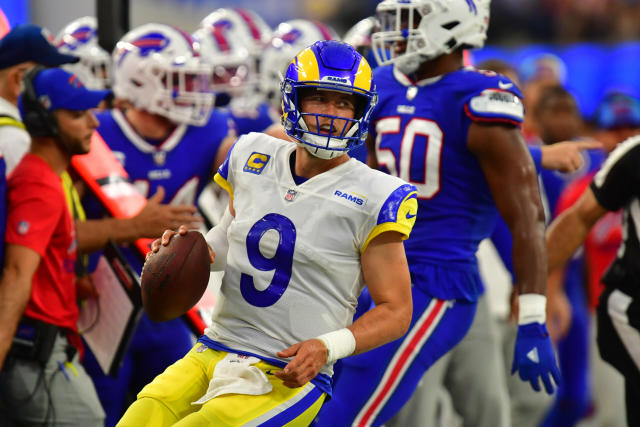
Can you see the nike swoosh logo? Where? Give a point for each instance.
(504, 85)
(409, 216)
(268, 372)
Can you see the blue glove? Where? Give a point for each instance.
(534, 357)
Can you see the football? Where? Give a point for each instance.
(174, 278)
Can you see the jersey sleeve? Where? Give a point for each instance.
(495, 99)
(618, 179)
(398, 213)
(223, 177)
(26, 226)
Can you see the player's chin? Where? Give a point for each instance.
(86, 144)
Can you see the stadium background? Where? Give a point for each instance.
(597, 40)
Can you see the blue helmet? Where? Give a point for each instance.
(335, 66)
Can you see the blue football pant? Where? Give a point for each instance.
(479, 396)
(373, 386)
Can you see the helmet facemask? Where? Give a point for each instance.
(324, 135)
(412, 32)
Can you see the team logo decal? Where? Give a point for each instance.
(152, 42)
(472, 7)
(256, 163)
(77, 38)
(219, 31)
(291, 36)
(147, 44)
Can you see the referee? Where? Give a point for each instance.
(615, 186)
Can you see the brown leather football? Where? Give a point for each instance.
(174, 278)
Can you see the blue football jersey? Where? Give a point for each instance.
(182, 163)
(421, 131)
(254, 119)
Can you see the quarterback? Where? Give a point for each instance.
(307, 227)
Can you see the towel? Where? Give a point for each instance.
(235, 374)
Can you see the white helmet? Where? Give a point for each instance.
(80, 38)
(245, 25)
(359, 36)
(438, 27)
(156, 68)
(230, 40)
(289, 38)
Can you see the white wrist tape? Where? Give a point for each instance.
(340, 343)
(217, 239)
(532, 308)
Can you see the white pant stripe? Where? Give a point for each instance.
(282, 407)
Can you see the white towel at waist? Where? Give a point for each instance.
(235, 374)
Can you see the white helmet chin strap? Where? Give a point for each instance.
(314, 142)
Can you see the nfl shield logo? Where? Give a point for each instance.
(291, 194)
(23, 227)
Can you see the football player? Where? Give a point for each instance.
(169, 140)
(453, 132)
(307, 228)
(80, 38)
(231, 40)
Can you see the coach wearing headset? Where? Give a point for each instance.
(41, 381)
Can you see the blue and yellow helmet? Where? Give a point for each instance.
(335, 66)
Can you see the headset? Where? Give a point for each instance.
(38, 120)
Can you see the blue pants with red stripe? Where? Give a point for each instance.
(373, 386)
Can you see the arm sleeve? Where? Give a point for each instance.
(224, 175)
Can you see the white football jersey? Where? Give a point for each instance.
(293, 267)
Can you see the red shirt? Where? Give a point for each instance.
(38, 218)
(602, 243)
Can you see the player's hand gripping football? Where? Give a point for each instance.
(534, 358)
(166, 238)
(308, 358)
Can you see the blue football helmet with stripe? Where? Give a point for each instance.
(333, 66)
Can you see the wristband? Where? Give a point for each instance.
(340, 343)
(532, 308)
